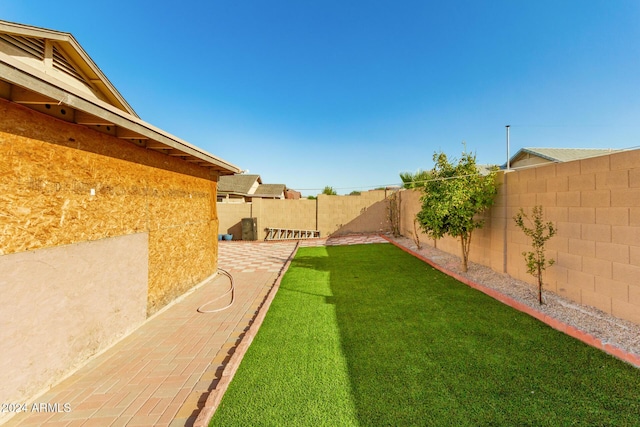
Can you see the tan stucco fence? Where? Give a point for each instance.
(96, 234)
(331, 215)
(594, 203)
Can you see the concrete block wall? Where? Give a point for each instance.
(335, 212)
(230, 216)
(299, 214)
(594, 204)
(366, 213)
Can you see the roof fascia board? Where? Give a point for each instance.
(30, 31)
(107, 112)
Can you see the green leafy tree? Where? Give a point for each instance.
(453, 199)
(329, 191)
(415, 180)
(539, 232)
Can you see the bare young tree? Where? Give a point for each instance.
(539, 232)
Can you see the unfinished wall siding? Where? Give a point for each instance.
(64, 184)
(595, 205)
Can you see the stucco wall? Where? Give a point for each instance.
(61, 305)
(595, 205)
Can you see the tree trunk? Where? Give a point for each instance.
(466, 242)
(539, 285)
(416, 235)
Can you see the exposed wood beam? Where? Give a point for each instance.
(128, 134)
(155, 145)
(48, 53)
(24, 96)
(177, 153)
(83, 118)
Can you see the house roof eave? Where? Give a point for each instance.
(131, 127)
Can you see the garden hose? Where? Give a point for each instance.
(231, 289)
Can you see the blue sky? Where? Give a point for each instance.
(350, 94)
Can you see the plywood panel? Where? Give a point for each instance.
(178, 260)
(56, 195)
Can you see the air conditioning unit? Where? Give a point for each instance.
(249, 228)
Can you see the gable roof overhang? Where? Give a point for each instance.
(270, 191)
(26, 85)
(59, 51)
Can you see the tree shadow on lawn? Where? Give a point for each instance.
(424, 349)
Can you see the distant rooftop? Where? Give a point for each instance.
(533, 156)
(237, 184)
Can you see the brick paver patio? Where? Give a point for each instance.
(162, 374)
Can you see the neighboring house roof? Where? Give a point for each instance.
(292, 194)
(238, 184)
(486, 169)
(533, 156)
(270, 190)
(249, 186)
(49, 71)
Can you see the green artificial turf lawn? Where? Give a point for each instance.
(369, 335)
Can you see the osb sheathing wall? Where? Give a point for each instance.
(595, 206)
(50, 170)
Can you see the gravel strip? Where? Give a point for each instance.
(607, 328)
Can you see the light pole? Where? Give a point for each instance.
(508, 154)
(504, 189)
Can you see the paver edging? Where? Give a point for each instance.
(215, 396)
(572, 331)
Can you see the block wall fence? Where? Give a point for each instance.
(331, 215)
(96, 234)
(595, 205)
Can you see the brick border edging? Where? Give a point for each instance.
(572, 331)
(215, 396)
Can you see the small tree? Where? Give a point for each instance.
(413, 181)
(393, 213)
(539, 234)
(453, 198)
(329, 191)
